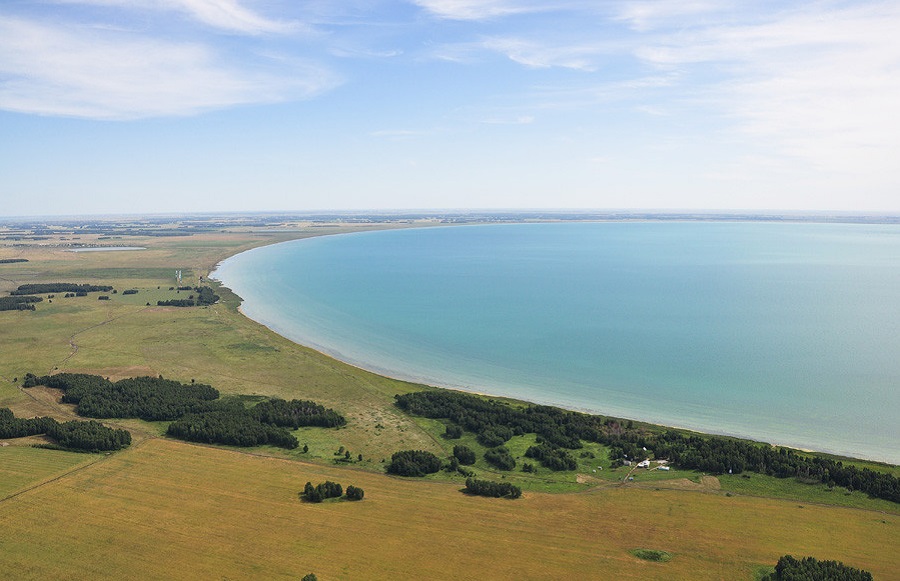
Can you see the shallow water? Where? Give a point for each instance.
(788, 333)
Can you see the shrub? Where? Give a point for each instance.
(355, 493)
(464, 454)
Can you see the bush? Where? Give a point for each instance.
(453, 432)
(355, 493)
(500, 457)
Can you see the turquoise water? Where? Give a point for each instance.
(786, 333)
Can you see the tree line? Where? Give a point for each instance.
(232, 425)
(58, 287)
(89, 436)
(559, 430)
(12, 260)
(811, 569)
(196, 411)
(19, 303)
(492, 489)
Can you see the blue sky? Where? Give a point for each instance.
(111, 106)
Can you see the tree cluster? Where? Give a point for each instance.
(12, 260)
(329, 489)
(413, 463)
(811, 569)
(19, 303)
(492, 489)
(556, 459)
(496, 422)
(323, 491)
(205, 295)
(87, 436)
(59, 287)
(130, 291)
(297, 413)
(718, 455)
(198, 413)
(492, 421)
(147, 398)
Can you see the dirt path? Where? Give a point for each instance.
(630, 472)
(74, 346)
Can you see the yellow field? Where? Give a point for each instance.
(168, 510)
(22, 466)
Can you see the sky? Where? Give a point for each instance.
(150, 106)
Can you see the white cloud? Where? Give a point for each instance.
(818, 85)
(107, 74)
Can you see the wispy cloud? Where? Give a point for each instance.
(537, 55)
(646, 15)
(483, 9)
(225, 15)
(107, 74)
(519, 120)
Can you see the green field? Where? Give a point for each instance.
(217, 512)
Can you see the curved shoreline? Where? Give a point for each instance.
(496, 391)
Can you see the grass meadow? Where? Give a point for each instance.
(166, 509)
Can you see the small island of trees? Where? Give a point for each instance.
(413, 463)
(329, 489)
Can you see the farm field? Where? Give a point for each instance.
(222, 514)
(226, 513)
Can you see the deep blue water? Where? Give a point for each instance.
(787, 333)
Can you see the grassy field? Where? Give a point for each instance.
(224, 513)
(215, 513)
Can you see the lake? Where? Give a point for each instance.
(786, 333)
